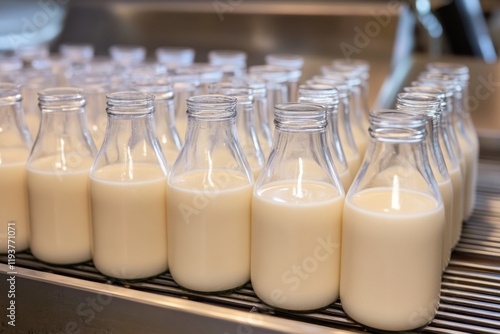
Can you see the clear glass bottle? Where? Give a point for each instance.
(128, 181)
(15, 145)
(293, 64)
(327, 96)
(209, 201)
(95, 87)
(450, 157)
(345, 129)
(173, 57)
(232, 62)
(206, 73)
(464, 127)
(57, 174)
(363, 68)
(358, 105)
(10, 68)
(164, 116)
(184, 87)
(430, 106)
(275, 78)
(33, 81)
(245, 123)
(127, 56)
(76, 58)
(393, 229)
(30, 52)
(296, 215)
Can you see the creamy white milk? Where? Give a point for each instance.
(446, 190)
(391, 258)
(59, 212)
(14, 199)
(129, 221)
(32, 123)
(296, 244)
(361, 140)
(471, 155)
(209, 229)
(458, 200)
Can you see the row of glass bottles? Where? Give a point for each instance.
(292, 271)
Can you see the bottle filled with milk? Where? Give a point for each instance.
(128, 181)
(209, 201)
(296, 214)
(393, 229)
(57, 174)
(15, 145)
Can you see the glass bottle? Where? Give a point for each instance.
(363, 68)
(173, 57)
(296, 215)
(359, 113)
(464, 127)
(393, 229)
(245, 123)
(30, 52)
(57, 174)
(430, 106)
(328, 97)
(15, 145)
(275, 78)
(95, 87)
(184, 87)
(450, 157)
(206, 73)
(33, 81)
(125, 58)
(232, 62)
(128, 182)
(164, 116)
(293, 64)
(76, 58)
(209, 201)
(345, 129)
(10, 68)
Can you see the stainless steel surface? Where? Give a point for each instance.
(52, 299)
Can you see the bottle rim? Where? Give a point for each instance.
(300, 117)
(129, 103)
(419, 102)
(390, 125)
(10, 93)
(160, 88)
(242, 93)
(321, 94)
(290, 61)
(61, 99)
(211, 107)
(175, 55)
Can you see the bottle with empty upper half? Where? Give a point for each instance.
(393, 229)
(15, 145)
(209, 199)
(128, 181)
(58, 176)
(296, 214)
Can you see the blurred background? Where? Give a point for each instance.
(396, 36)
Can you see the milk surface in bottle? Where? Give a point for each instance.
(209, 201)
(128, 192)
(15, 143)
(57, 176)
(393, 227)
(296, 215)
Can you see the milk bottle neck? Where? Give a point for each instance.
(13, 129)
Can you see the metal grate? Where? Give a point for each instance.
(470, 289)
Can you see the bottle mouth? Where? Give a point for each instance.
(438, 92)
(241, 92)
(300, 116)
(61, 98)
(419, 102)
(10, 93)
(129, 103)
(160, 88)
(211, 107)
(290, 61)
(397, 126)
(181, 56)
(234, 58)
(321, 94)
(270, 73)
